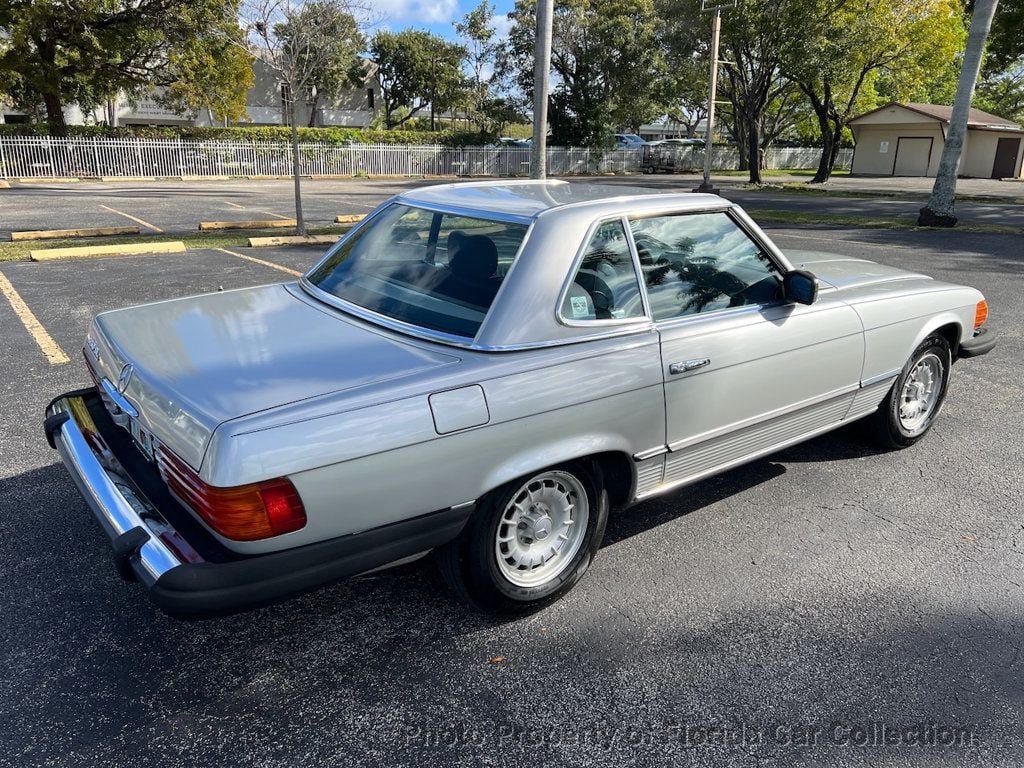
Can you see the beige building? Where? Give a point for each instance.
(356, 107)
(907, 140)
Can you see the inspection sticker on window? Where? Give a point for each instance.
(579, 306)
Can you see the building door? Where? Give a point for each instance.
(912, 156)
(1005, 165)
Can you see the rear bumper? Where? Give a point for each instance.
(186, 572)
(983, 342)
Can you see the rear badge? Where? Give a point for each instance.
(93, 347)
(125, 377)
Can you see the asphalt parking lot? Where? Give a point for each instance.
(177, 207)
(779, 615)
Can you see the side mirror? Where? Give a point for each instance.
(800, 286)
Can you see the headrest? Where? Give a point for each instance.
(475, 257)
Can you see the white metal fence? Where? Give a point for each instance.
(45, 157)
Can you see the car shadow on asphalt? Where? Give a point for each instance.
(373, 661)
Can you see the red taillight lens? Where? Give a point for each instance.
(980, 314)
(242, 513)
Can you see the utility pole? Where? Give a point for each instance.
(716, 30)
(541, 68)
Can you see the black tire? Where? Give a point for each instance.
(469, 564)
(885, 425)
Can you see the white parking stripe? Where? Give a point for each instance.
(264, 263)
(146, 224)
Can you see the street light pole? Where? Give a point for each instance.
(716, 30)
(541, 68)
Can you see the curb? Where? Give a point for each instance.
(267, 242)
(51, 180)
(127, 178)
(54, 234)
(5, 184)
(93, 251)
(349, 218)
(257, 224)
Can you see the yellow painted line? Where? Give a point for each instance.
(255, 224)
(54, 354)
(146, 224)
(57, 234)
(262, 262)
(265, 242)
(349, 218)
(92, 251)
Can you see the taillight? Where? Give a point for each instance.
(242, 513)
(980, 314)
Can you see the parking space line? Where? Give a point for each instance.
(235, 205)
(146, 224)
(834, 239)
(54, 354)
(276, 215)
(262, 262)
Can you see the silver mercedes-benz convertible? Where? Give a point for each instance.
(484, 370)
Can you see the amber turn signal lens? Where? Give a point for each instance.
(980, 314)
(242, 513)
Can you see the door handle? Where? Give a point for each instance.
(688, 365)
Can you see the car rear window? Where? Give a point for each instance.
(439, 271)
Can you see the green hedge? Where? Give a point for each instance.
(259, 134)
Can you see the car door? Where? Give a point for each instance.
(745, 371)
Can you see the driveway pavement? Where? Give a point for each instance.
(828, 605)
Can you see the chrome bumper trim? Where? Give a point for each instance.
(119, 509)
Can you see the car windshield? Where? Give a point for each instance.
(439, 271)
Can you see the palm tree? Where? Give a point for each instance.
(939, 211)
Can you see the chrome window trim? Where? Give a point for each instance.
(461, 210)
(574, 268)
(376, 318)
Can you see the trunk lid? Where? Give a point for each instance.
(200, 361)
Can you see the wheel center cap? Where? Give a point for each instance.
(542, 528)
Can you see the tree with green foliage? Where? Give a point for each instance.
(477, 32)
(609, 68)
(89, 51)
(1001, 90)
(416, 70)
(844, 48)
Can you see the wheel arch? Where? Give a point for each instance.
(611, 457)
(947, 325)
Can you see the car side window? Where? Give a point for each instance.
(605, 286)
(702, 262)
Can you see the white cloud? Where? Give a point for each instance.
(501, 24)
(426, 11)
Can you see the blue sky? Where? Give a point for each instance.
(436, 16)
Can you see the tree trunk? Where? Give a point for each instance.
(939, 211)
(55, 114)
(829, 142)
(300, 223)
(754, 149)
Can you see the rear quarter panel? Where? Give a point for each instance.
(358, 468)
